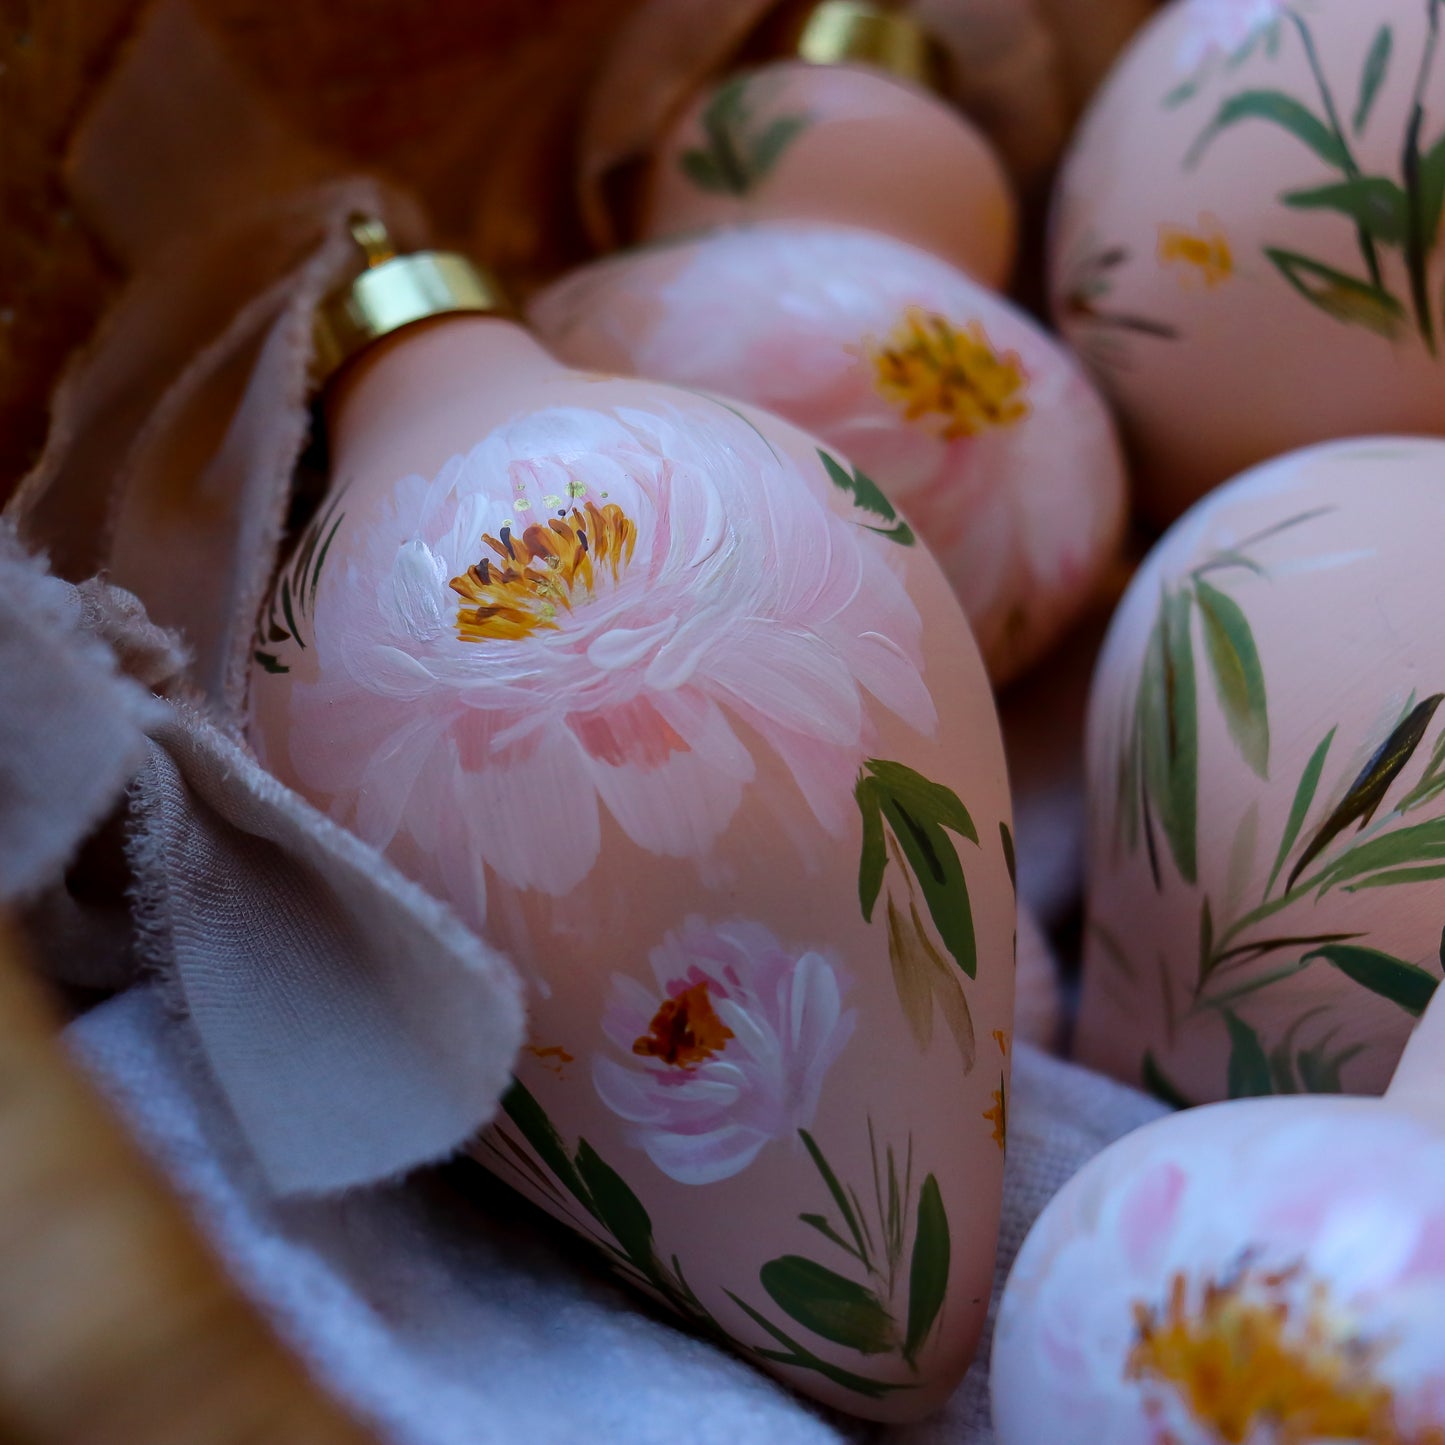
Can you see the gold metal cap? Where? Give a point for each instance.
(866, 32)
(395, 291)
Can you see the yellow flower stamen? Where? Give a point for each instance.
(685, 1030)
(1266, 1351)
(998, 1116)
(547, 568)
(1205, 252)
(933, 371)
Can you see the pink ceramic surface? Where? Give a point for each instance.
(1266, 782)
(1263, 1272)
(662, 699)
(846, 144)
(1246, 241)
(965, 413)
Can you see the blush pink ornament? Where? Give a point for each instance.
(963, 411)
(1259, 181)
(659, 695)
(1265, 1272)
(1265, 766)
(819, 239)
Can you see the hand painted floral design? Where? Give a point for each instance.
(948, 376)
(983, 433)
(1267, 1283)
(1201, 256)
(727, 1052)
(737, 155)
(575, 615)
(1387, 213)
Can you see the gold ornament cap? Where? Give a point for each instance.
(867, 32)
(395, 291)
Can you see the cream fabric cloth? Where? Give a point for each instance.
(448, 1313)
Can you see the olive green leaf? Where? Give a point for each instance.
(1358, 303)
(799, 1358)
(928, 1269)
(1008, 854)
(293, 595)
(1431, 193)
(829, 1305)
(1299, 809)
(1320, 1072)
(1249, 1075)
(1376, 64)
(1238, 677)
(1421, 845)
(1402, 983)
(1169, 730)
(617, 1208)
(1368, 790)
(852, 1219)
(1431, 782)
(1158, 1083)
(1374, 203)
(869, 497)
(536, 1128)
(920, 814)
(1281, 110)
(735, 159)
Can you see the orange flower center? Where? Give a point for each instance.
(929, 368)
(1204, 252)
(1250, 1354)
(546, 569)
(685, 1030)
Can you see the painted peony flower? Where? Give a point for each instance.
(727, 1052)
(973, 421)
(577, 613)
(1221, 27)
(1266, 1286)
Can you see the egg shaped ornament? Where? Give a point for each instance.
(1266, 784)
(1259, 1272)
(953, 405)
(657, 694)
(852, 130)
(1246, 240)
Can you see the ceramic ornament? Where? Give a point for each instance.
(664, 699)
(1246, 238)
(960, 410)
(1262, 1272)
(845, 143)
(1266, 784)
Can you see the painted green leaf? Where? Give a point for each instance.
(1357, 303)
(1432, 193)
(1185, 90)
(1248, 1076)
(1391, 978)
(869, 497)
(1281, 110)
(1368, 790)
(770, 144)
(270, 662)
(1281, 1070)
(1206, 941)
(536, 1128)
(703, 171)
(873, 859)
(802, 1359)
(1419, 845)
(1158, 1083)
(1320, 1073)
(829, 1305)
(1374, 203)
(1008, 855)
(1376, 64)
(1432, 780)
(830, 1179)
(1398, 877)
(1304, 795)
(928, 1270)
(617, 1208)
(921, 814)
(1169, 730)
(1238, 677)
